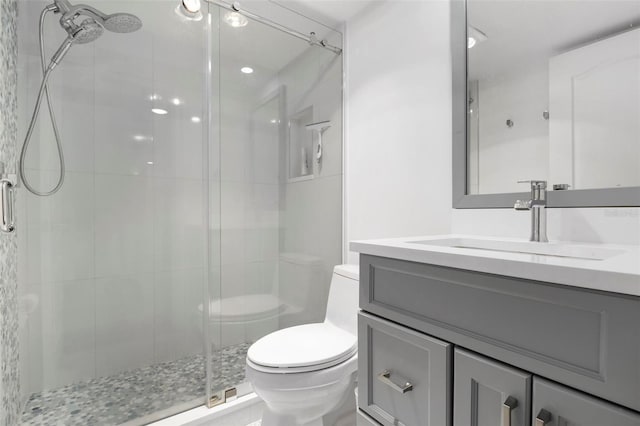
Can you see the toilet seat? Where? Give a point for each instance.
(303, 348)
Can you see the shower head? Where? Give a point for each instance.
(117, 22)
(88, 31)
(122, 23)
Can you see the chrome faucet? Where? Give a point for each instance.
(538, 206)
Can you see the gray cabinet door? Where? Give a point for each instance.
(404, 377)
(557, 405)
(489, 393)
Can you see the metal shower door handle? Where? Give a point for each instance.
(7, 222)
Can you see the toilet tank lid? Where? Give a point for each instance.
(349, 271)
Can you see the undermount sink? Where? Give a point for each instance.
(565, 250)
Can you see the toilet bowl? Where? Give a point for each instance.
(306, 374)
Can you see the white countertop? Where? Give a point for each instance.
(618, 273)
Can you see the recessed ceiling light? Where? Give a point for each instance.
(195, 119)
(246, 70)
(176, 101)
(190, 10)
(192, 6)
(150, 163)
(235, 19)
(159, 111)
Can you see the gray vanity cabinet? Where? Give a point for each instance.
(406, 380)
(557, 405)
(449, 347)
(487, 392)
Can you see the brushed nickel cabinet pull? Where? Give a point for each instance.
(543, 418)
(509, 404)
(385, 377)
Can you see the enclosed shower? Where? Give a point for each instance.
(184, 204)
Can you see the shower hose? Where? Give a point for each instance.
(44, 91)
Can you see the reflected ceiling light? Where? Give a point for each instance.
(274, 121)
(475, 36)
(141, 138)
(195, 119)
(154, 97)
(176, 101)
(246, 70)
(159, 111)
(150, 163)
(235, 19)
(189, 9)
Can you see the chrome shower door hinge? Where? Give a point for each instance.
(221, 397)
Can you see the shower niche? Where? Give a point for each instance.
(300, 146)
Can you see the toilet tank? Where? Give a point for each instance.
(342, 308)
(302, 281)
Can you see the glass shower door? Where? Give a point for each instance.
(114, 269)
(280, 200)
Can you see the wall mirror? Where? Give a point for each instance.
(546, 90)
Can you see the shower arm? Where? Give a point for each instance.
(70, 12)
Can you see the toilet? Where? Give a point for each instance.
(306, 374)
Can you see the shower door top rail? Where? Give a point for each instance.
(312, 39)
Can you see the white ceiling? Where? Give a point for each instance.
(525, 32)
(330, 12)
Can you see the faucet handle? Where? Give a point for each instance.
(538, 191)
(535, 184)
(522, 205)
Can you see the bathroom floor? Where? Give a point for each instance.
(120, 398)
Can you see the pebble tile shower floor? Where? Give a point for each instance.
(130, 395)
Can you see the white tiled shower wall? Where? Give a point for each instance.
(263, 213)
(312, 221)
(111, 267)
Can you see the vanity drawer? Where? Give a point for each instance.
(587, 339)
(556, 405)
(404, 376)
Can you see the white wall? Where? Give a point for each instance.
(591, 225)
(398, 137)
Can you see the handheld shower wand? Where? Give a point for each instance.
(87, 30)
